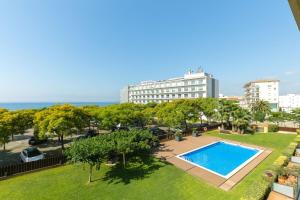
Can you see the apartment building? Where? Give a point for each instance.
(267, 90)
(289, 102)
(192, 85)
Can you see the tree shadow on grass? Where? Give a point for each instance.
(137, 168)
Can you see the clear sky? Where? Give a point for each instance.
(60, 50)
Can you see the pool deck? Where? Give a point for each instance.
(170, 149)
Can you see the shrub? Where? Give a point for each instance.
(257, 191)
(290, 150)
(273, 128)
(298, 131)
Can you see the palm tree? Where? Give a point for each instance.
(241, 120)
(260, 109)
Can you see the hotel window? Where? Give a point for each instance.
(179, 95)
(186, 89)
(193, 88)
(185, 95)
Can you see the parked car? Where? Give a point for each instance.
(120, 128)
(31, 154)
(35, 141)
(89, 134)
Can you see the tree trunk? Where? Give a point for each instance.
(124, 161)
(186, 126)
(12, 137)
(62, 142)
(222, 126)
(4, 146)
(90, 173)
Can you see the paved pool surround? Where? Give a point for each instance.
(170, 150)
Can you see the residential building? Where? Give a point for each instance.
(192, 85)
(239, 99)
(289, 102)
(267, 90)
(295, 6)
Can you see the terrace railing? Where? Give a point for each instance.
(10, 170)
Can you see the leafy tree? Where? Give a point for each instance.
(259, 116)
(277, 117)
(124, 143)
(5, 128)
(91, 151)
(3, 110)
(207, 106)
(134, 140)
(21, 121)
(61, 120)
(177, 113)
(296, 116)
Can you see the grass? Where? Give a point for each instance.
(142, 179)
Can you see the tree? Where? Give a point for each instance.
(241, 119)
(6, 127)
(296, 116)
(123, 144)
(3, 110)
(260, 109)
(177, 113)
(225, 111)
(207, 107)
(91, 151)
(21, 121)
(61, 120)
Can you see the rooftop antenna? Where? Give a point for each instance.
(199, 70)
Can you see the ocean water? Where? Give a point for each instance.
(28, 105)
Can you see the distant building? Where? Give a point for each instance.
(239, 99)
(267, 90)
(295, 6)
(192, 85)
(289, 102)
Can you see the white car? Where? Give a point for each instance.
(31, 154)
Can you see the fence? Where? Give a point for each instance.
(10, 170)
(288, 129)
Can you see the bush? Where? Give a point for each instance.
(298, 131)
(258, 190)
(273, 128)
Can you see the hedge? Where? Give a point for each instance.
(261, 188)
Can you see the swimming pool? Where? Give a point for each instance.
(221, 158)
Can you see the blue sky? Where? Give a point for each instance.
(88, 50)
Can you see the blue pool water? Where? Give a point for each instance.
(221, 158)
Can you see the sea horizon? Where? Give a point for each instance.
(39, 105)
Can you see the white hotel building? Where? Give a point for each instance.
(192, 85)
(267, 90)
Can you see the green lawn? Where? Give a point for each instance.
(150, 180)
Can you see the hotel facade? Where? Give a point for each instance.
(267, 90)
(191, 86)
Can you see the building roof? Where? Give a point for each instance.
(295, 6)
(261, 81)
